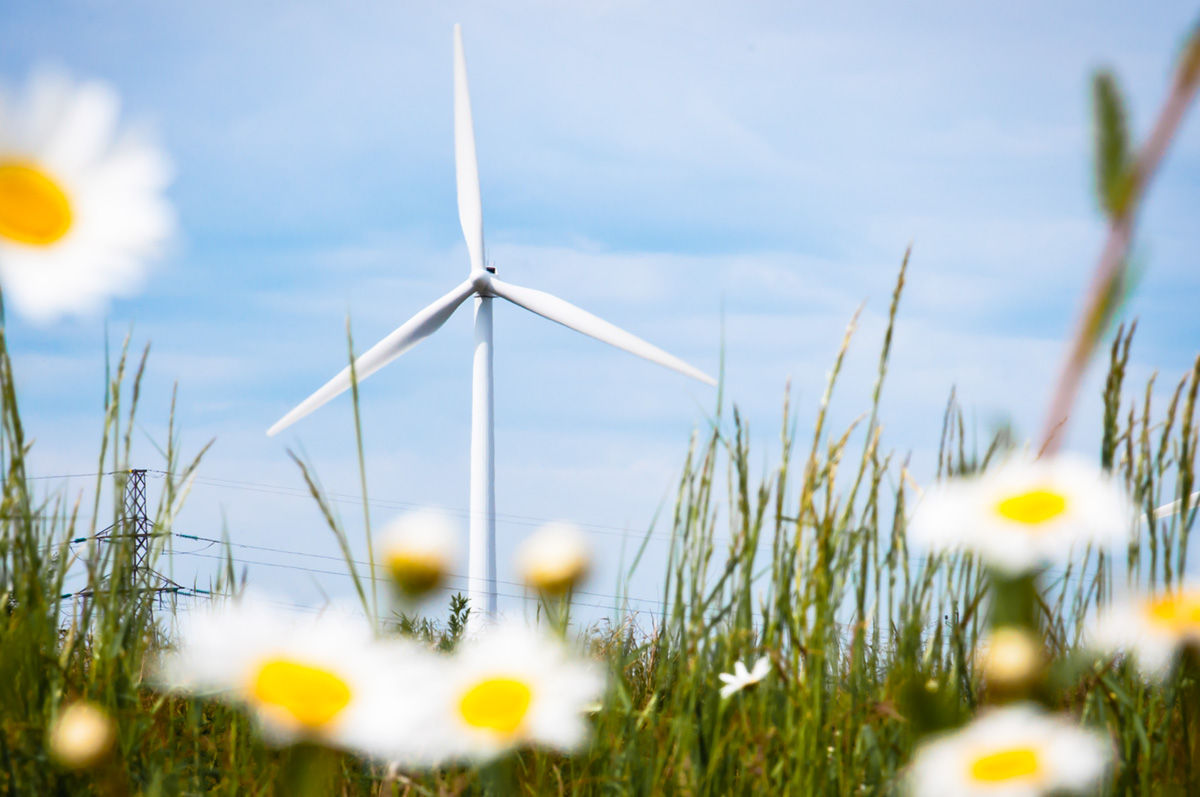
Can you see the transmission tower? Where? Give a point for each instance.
(135, 523)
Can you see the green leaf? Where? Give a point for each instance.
(1114, 173)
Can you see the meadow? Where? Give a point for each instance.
(873, 644)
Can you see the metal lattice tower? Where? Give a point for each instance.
(136, 522)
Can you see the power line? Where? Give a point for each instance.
(213, 541)
(394, 503)
(387, 503)
(75, 475)
(447, 588)
(342, 574)
(196, 592)
(293, 607)
(378, 566)
(357, 500)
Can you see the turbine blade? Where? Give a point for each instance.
(1166, 510)
(569, 315)
(407, 335)
(470, 205)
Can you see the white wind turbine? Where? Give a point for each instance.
(481, 284)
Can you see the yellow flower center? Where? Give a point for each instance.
(416, 572)
(1176, 612)
(33, 208)
(1013, 657)
(497, 704)
(1033, 507)
(556, 577)
(82, 735)
(1005, 765)
(310, 695)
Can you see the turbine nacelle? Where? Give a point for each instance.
(482, 280)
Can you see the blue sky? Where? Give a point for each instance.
(664, 165)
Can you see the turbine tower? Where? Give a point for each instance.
(483, 285)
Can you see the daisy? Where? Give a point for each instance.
(1018, 751)
(508, 688)
(1025, 514)
(554, 558)
(321, 679)
(1153, 627)
(81, 205)
(742, 678)
(1011, 658)
(82, 735)
(419, 549)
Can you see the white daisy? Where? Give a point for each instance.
(1019, 751)
(507, 688)
(1025, 514)
(742, 678)
(321, 679)
(419, 549)
(554, 558)
(81, 205)
(1154, 627)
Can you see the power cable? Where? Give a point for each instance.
(378, 566)
(391, 503)
(347, 575)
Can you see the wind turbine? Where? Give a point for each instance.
(483, 285)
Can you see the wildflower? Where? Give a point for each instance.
(81, 207)
(81, 736)
(1012, 658)
(507, 688)
(741, 678)
(554, 558)
(322, 680)
(1015, 752)
(1023, 515)
(419, 549)
(1153, 627)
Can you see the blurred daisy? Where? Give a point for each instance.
(1025, 514)
(1011, 658)
(81, 205)
(554, 558)
(1152, 627)
(742, 678)
(82, 735)
(419, 549)
(323, 680)
(1011, 752)
(508, 688)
